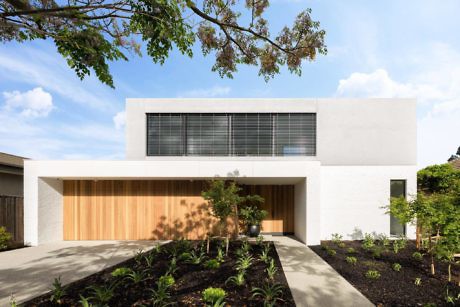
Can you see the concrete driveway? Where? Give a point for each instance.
(29, 272)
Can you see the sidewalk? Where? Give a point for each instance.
(313, 282)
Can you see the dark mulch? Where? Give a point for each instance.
(393, 288)
(190, 279)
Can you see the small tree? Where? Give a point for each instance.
(224, 199)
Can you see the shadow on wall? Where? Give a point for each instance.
(323, 285)
(195, 224)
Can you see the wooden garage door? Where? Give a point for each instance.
(142, 209)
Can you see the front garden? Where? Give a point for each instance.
(393, 273)
(183, 273)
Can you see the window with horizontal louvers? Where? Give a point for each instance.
(207, 134)
(295, 134)
(236, 134)
(164, 135)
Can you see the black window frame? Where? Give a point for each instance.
(268, 144)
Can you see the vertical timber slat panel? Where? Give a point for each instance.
(147, 209)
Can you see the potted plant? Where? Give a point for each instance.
(252, 217)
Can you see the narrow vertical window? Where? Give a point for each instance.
(397, 189)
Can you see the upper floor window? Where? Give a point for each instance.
(236, 134)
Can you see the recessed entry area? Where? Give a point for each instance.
(158, 209)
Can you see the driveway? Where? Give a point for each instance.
(29, 272)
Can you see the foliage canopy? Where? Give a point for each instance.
(91, 33)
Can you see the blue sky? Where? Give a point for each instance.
(376, 49)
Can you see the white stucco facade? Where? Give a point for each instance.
(361, 145)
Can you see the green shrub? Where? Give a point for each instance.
(172, 267)
(214, 295)
(121, 272)
(331, 252)
(351, 260)
(368, 241)
(260, 240)
(196, 257)
(166, 281)
(372, 274)
(341, 245)
(377, 251)
(212, 264)
(417, 256)
(351, 250)
(264, 255)
(5, 238)
(102, 294)
(396, 267)
(418, 281)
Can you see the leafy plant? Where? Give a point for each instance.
(238, 279)
(399, 244)
(331, 251)
(418, 281)
(102, 294)
(368, 242)
(351, 260)
(452, 299)
(377, 251)
(149, 259)
(214, 296)
(244, 262)
(264, 256)
(384, 240)
(351, 250)
(84, 302)
(337, 238)
(271, 269)
(136, 276)
(212, 264)
(270, 293)
(196, 257)
(138, 256)
(121, 272)
(252, 215)
(172, 267)
(417, 256)
(13, 302)
(220, 254)
(57, 292)
(5, 238)
(166, 280)
(372, 274)
(260, 240)
(396, 267)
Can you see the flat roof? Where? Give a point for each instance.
(12, 160)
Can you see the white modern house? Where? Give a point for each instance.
(323, 166)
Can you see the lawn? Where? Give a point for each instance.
(179, 273)
(388, 278)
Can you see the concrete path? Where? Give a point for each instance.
(29, 272)
(313, 282)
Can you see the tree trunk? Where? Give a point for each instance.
(418, 236)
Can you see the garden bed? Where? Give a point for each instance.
(413, 285)
(191, 278)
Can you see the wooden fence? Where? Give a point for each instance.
(12, 216)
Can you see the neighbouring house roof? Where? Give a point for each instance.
(455, 163)
(11, 164)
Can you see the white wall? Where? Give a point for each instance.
(349, 131)
(300, 210)
(352, 198)
(50, 210)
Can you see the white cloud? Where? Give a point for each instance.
(33, 103)
(436, 89)
(49, 70)
(119, 119)
(215, 91)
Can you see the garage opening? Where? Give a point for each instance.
(158, 209)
